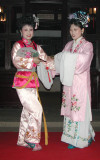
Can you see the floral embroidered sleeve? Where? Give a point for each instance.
(18, 61)
(84, 59)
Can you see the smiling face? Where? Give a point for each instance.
(76, 32)
(27, 32)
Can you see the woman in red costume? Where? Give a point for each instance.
(26, 81)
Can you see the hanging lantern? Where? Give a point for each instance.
(94, 10)
(1, 9)
(2, 15)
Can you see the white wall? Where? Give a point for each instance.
(47, 33)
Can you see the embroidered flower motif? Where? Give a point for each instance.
(33, 134)
(75, 50)
(74, 106)
(80, 42)
(71, 50)
(33, 130)
(27, 135)
(63, 99)
(69, 125)
(28, 54)
(39, 135)
(78, 46)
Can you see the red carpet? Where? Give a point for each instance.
(56, 150)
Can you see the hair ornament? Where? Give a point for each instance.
(81, 17)
(28, 19)
(36, 20)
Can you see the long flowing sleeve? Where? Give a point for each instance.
(57, 60)
(65, 63)
(18, 61)
(84, 59)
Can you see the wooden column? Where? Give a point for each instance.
(7, 42)
(98, 51)
(98, 34)
(64, 22)
(27, 6)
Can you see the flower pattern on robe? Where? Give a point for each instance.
(67, 130)
(77, 47)
(74, 103)
(28, 54)
(33, 134)
(63, 99)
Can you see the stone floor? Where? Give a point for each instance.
(10, 116)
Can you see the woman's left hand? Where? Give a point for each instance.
(36, 60)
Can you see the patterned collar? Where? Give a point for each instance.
(25, 41)
(79, 43)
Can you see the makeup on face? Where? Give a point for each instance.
(27, 32)
(75, 32)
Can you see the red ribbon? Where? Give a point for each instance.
(48, 74)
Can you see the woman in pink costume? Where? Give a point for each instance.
(73, 65)
(26, 81)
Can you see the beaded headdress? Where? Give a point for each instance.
(30, 20)
(81, 17)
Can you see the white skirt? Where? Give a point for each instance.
(78, 133)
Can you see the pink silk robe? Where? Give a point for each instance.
(74, 98)
(31, 116)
